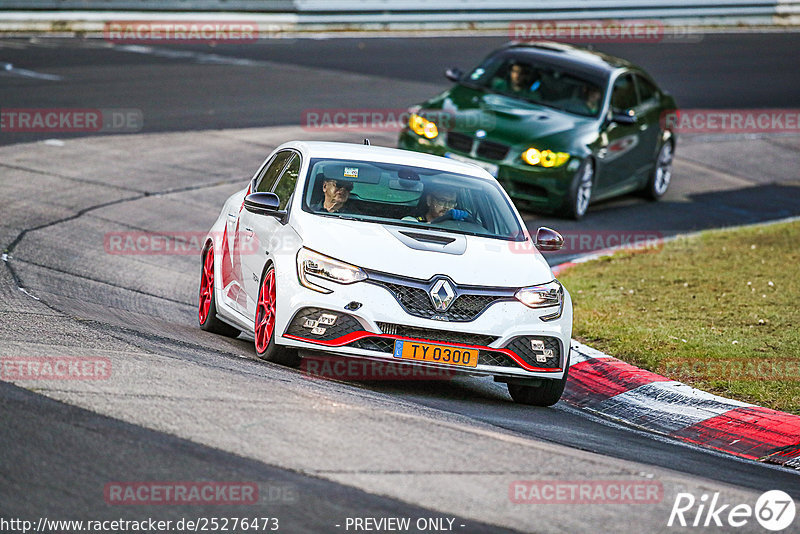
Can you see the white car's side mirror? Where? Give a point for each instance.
(548, 239)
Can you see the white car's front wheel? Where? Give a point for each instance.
(546, 394)
(264, 328)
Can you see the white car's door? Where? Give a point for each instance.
(232, 292)
(259, 232)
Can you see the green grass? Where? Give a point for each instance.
(700, 310)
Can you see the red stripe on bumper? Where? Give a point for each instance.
(354, 336)
(751, 432)
(593, 381)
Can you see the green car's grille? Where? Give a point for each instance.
(459, 141)
(492, 150)
(485, 149)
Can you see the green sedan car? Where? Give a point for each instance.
(557, 125)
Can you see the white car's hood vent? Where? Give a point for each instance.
(423, 253)
(432, 241)
(430, 238)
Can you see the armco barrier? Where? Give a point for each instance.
(514, 8)
(152, 5)
(446, 11)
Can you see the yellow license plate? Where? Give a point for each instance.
(426, 352)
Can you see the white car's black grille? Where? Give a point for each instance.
(380, 344)
(414, 296)
(485, 356)
(497, 359)
(445, 336)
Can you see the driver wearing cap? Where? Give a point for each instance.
(336, 194)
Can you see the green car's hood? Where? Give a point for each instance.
(512, 121)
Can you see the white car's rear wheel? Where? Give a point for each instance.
(207, 304)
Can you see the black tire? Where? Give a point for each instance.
(579, 195)
(265, 335)
(207, 318)
(661, 176)
(545, 395)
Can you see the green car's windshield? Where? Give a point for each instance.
(409, 196)
(519, 76)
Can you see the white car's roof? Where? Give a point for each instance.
(325, 149)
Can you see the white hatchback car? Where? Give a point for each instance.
(389, 255)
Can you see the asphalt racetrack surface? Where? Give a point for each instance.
(182, 87)
(184, 405)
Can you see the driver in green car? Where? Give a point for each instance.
(592, 99)
(520, 81)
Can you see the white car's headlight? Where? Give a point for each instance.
(543, 296)
(314, 264)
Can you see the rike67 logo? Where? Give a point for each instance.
(774, 511)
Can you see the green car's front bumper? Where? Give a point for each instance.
(540, 188)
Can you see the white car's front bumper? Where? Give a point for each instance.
(379, 319)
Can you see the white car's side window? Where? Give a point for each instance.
(269, 176)
(287, 181)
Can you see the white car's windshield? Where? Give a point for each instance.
(409, 196)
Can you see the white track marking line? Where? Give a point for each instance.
(7, 69)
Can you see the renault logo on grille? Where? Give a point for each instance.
(442, 295)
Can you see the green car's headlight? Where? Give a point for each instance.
(422, 126)
(314, 264)
(544, 158)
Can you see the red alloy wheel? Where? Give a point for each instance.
(206, 286)
(265, 313)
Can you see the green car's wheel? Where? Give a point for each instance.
(662, 172)
(580, 192)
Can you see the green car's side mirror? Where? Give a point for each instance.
(627, 118)
(453, 74)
